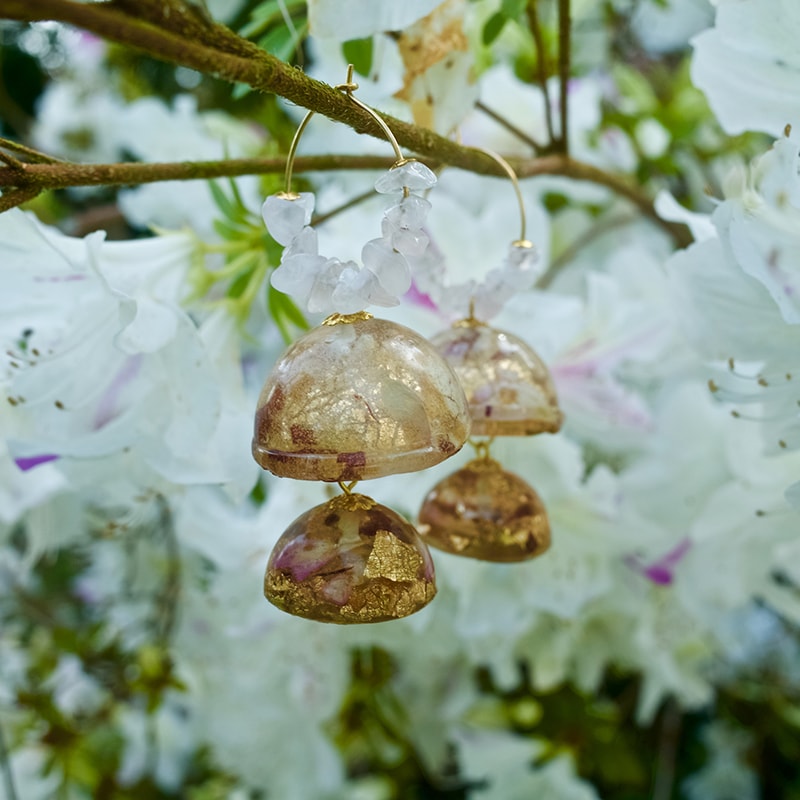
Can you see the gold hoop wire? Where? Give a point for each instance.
(348, 87)
(509, 170)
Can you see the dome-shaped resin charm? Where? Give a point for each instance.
(508, 387)
(350, 560)
(484, 512)
(356, 398)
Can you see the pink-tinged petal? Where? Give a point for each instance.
(419, 298)
(593, 355)
(600, 397)
(30, 462)
(59, 278)
(662, 570)
(109, 405)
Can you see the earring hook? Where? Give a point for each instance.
(348, 87)
(509, 170)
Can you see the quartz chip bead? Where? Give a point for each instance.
(388, 266)
(356, 287)
(358, 398)
(403, 223)
(300, 266)
(412, 175)
(285, 215)
(350, 560)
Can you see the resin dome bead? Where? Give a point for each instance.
(508, 387)
(350, 560)
(356, 398)
(484, 512)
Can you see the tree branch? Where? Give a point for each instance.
(63, 175)
(258, 69)
(564, 62)
(244, 62)
(29, 153)
(16, 197)
(36, 178)
(509, 126)
(541, 65)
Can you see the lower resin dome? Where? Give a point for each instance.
(350, 560)
(484, 512)
(359, 398)
(508, 387)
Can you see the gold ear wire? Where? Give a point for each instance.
(508, 169)
(348, 87)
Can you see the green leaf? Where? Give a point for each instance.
(285, 313)
(222, 201)
(240, 90)
(237, 288)
(268, 13)
(494, 27)
(242, 212)
(358, 52)
(635, 88)
(229, 232)
(281, 42)
(512, 8)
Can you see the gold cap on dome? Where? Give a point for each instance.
(508, 387)
(484, 512)
(356, 399)
(350, 560)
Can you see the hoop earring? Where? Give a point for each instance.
(355, 398)
(483, 511)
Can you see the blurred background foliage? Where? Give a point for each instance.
(56, 622)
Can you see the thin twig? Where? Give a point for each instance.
(568, 254)
(170, 594)
(667, 751)
(34, 156)
(5, 762)
(352, 203)
(564, 63)
(12, 162)
(16, 197)
(541, 64)
(509, 126)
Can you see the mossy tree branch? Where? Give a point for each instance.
(186, 37)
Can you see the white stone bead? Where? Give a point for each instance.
(521, 267)
(412, 175)
(286, 217)
(522, 258)
(390, 268)
(319, 300)
(412, 242)
(296, 275)
(305, 243)
(410, 212)
(353, 289)
(402, 225)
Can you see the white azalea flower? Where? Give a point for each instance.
(726, 773)
(101, 359)
(736, 295)
(503, 760)
(748, 65)
(355, 19)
